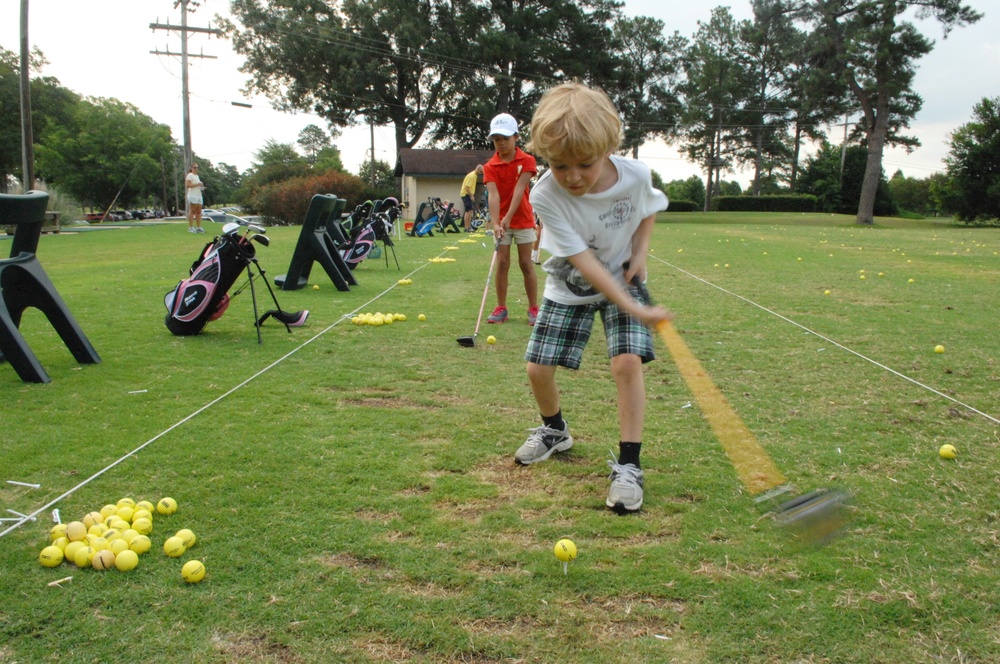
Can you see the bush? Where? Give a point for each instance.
(683, 206)
(800, 203)
(286, 202)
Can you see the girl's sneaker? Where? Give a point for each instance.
(499, 315)
(532, 315)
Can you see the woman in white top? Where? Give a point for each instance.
(194, 199)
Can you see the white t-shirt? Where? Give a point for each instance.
(604, 222)
(194, 192)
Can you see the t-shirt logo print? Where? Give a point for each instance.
(619, 213)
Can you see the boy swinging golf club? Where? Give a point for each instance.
(598, 210)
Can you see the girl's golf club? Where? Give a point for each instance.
(470, 342)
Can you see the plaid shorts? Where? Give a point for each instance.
(562, 331)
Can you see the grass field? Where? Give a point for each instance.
(356, 500)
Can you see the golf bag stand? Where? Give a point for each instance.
(283, 317)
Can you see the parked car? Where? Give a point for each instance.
(213, 215)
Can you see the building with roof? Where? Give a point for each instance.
(437, 174)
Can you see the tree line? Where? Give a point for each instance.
(736, 94)
(743, 95)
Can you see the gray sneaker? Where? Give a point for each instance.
(542, 443)
(499, 315)
(625, 494)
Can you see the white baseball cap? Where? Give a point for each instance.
(504, 125)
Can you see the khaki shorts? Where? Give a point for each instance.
(519, 236)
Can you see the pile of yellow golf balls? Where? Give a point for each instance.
(115, 537)
(442, 260)
(378, 319)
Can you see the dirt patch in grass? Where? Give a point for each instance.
(252, 648)
(376, 516)
(380, 649)
(393, 402)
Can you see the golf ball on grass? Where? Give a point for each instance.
(76, 531)
(491, 340)
(140, 544)
(166, 506)
(948, 452)
(126, 561)
(939, 348)
(83, 556)
(51, 556)
(103, 560)
(193, 571)
(174, 547)
(187, 536)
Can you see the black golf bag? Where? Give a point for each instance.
(360, 234)
(204, 296)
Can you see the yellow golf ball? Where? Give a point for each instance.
(948, 451)
(91, 518)
(142, 526)
(126, 560)
(174, 547)
(118, 545)
(76, 531)
(187, 536)
(103, 560)
(57, 531)
(69, 553)
(51, 556)
(83, 556)
(140, 544)
(421, 317)
(491, 340)
(166, 506)
(315, 286)
(193, 571)
(939, 348)
(565, 550)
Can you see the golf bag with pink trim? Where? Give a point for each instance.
(204, 296)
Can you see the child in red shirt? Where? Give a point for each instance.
(506, 176)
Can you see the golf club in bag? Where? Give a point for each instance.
(470, 342)
(204, 296)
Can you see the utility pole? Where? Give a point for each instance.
(27, 137)
(371, 161)
(184, 29)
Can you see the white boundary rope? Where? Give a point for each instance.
(831, 341)
(31, 517)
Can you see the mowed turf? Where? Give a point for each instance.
(354, 493)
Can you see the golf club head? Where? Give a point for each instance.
(254, 228)
(230, 228)
(467, 342)
(816, 517)
(261, 239)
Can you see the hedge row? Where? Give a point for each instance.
(800, 203)
(683, 206)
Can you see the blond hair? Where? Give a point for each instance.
(573, 121)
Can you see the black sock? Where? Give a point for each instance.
(555, 421)
(629, 453)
